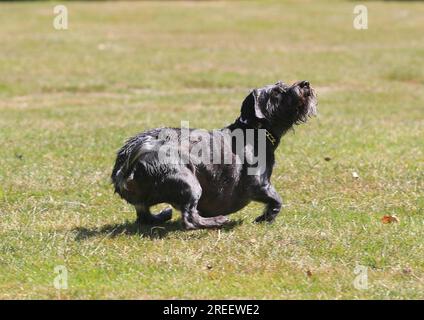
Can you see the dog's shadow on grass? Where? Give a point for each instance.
(134, 228)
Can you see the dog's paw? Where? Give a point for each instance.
(221, 220)
(165, 215)
(155, 219)
(265, 218)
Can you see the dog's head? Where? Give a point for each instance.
(281, 105)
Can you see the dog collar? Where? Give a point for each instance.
(270, 137)
(268, 134)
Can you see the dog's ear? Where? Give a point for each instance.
(250, 110)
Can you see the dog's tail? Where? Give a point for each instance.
(127, 159)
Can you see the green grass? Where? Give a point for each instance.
(66, 106)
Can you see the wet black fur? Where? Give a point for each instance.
(205, 193)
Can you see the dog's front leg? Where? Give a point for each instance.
(268, 195)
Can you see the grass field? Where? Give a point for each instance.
(69, 99)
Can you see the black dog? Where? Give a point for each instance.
(205, 192)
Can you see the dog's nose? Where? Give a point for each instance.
(304, 84)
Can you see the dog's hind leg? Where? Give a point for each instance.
(144, 216)
(190, 195)
(192, 220)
